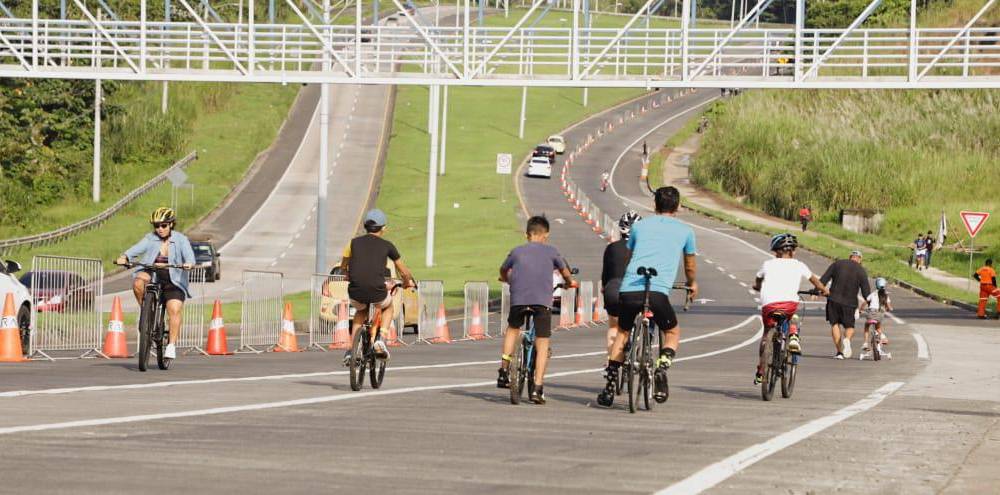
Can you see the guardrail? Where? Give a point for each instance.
(8, 245)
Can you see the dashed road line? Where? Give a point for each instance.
(923, 351)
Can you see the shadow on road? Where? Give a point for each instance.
(723, 392)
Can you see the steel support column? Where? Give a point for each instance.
(98, 96)
(434, 110)
(324, 159)
(685, 37)
(444, 131)
(524, 110)
(800, 22)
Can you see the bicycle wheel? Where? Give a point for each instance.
(146, 316)
(376, 371)
(646, 374)
(788, 378)
(632, 367)
(767, 386)
(873, 344)
(516, 372)
(162, 339)
(358, 358)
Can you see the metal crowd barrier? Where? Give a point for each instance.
(567, 307)
(504, 308)
(477, 305)
(68, 317)
(261, 314)
(586, 301)
(192, 335)
(327, 294)
(430, 297)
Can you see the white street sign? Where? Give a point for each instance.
(505, 163)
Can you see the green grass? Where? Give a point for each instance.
(913, 154)
(227, 140)
(659, 157)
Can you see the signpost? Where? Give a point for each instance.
(973, 221)
(505, 166)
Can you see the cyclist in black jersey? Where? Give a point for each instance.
(615, 260)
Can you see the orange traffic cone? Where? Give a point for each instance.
(441, 333)
(10, 334)
(216, 345)
(599, 308)
(476, 331)
(342, 332)
(114, 339)
(578, 320)
(392, 339)
(286, 339)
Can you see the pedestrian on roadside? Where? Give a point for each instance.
(805, 216)
(987, 278)
(920, 252)
(913, 250)
(846, 278)
(930, 247)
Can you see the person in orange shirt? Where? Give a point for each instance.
(987, 278)
(805, 216)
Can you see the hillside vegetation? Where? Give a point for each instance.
(914, 154)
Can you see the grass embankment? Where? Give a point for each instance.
(913, 154)
(231, 124)
(475, 227)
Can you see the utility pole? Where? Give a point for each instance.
(444, 130)
(165, 97)
(98, 96)
(524, 108)
(324, 153)
(434, 111)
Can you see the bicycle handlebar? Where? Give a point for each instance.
(687, 298)
(132, 264)
(810, 292)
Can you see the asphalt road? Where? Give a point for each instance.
(924, 422)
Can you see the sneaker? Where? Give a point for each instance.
(381, 351)
(503, 378)
(885, 340)
(170, 352)
(347, 358)
(794, 346)
(758, 378)
(537, 395)
(865, 347)
(607, 396)
(839, 355)
(847, 348)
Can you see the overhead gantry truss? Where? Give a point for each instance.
(202, 47)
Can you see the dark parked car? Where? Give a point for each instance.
(546, 151)
(59, 291)
(206, 261)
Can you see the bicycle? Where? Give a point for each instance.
(363, 350)
(640, 359)
(778, 362)
(151, 314)
(875, 338)
(522, 364)
(620, 386)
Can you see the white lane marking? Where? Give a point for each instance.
(732, 276)
(134, 386)
(899, 321)
(744, 284)
(709, 261)
(923, 352)
(720, 268)
(309, 401)
(722, 470)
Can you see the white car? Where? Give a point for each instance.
(557, 143)
(539, 166)
(9, 284)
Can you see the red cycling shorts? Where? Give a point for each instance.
(787, 307)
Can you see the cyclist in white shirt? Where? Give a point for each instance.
(876, 305)
(778, 282)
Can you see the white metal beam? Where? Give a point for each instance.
(954, 40)
(427, 39)
(211, 34)
(621, 34)
(757, 9)
(17, 54)
(840, 39)
(327, 46)
(510, 34)
(106, 34)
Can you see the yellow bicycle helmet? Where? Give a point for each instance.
(162, 215)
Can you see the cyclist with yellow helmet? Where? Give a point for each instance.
(167, 247)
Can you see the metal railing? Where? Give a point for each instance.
(430, 296)
(585, 302)
(477, 311)
(66, 294)
(262, 310)
(8, 245)
(193, 328)
(500, 56)
(327, 300)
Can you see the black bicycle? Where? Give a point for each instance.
(151, 313)
(363, 350)
(643, 349)
(620, 385)
(779, 363)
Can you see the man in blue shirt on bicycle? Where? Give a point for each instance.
(528, 270)
(657, 242)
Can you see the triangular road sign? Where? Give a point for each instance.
(973, 221)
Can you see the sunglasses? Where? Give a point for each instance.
(162, 225)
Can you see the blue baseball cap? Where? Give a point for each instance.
(376, 217)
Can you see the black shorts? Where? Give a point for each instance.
(170, 291)
(630, 305)
(611, 299)
(543, 318)
(838, 314)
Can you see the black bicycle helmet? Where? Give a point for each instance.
(784, 242)
(626, 221)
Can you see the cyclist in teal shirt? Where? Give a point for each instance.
(659, 242)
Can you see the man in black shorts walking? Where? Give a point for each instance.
(847, 277)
